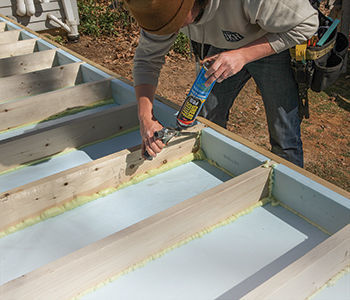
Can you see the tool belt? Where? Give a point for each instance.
(317, 63)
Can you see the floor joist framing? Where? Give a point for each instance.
(18, 48)
(33, 83)
(96, 263)
(309, 273)
(52, 139)
(26, 63)
(84, 269)
(25, 111)
(9, 36)
(32, 199)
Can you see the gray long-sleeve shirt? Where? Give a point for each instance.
(231, 24)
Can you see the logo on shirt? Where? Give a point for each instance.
(232, 36)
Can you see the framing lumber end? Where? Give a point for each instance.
(308, 274)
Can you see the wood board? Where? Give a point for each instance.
(308, 274)
(281, 160)
(88, 267)
(27, 63)
(10, 36)
(71, 134)
(38, 82)
(32, 199)
(17, 113)
(2, 26)
(17, 48)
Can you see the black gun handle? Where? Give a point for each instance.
(147, 155)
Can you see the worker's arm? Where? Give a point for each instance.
(228, 63)
(148, 61)
(148, 123)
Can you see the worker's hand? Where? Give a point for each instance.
(224, 65)
(148, 126)
(148, 123)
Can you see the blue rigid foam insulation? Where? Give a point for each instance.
(224, 264)
(90, 73)
(66, 57)
(44, 45)
(318, 203)
(230, 154)
(124, 92)
(339, 290)
(25, 35)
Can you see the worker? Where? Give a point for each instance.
(242, 39)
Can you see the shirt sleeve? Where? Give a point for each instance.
(287, 22)
(150, 57)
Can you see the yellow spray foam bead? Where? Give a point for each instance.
(81, 200)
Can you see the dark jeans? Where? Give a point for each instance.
(279, 90)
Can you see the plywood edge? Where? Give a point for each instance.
(273, 156)
(54, 104)
(51, 139)
(52, 195)
(123, 251)
(309, 273)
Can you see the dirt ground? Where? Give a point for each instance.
(326, 135)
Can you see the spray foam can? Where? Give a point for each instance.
(195, 99)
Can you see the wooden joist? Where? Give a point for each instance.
(309, 273)
(2, 26)
(17, 48)
(77, 272)
(17, 113)
(84, 269)
(71, 134)
(32, 199)
(10, 36)
(28, 84)
(26, 63)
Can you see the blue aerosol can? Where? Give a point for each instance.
(195, 99)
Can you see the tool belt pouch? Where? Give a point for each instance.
(328, 67)
(322, 64)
